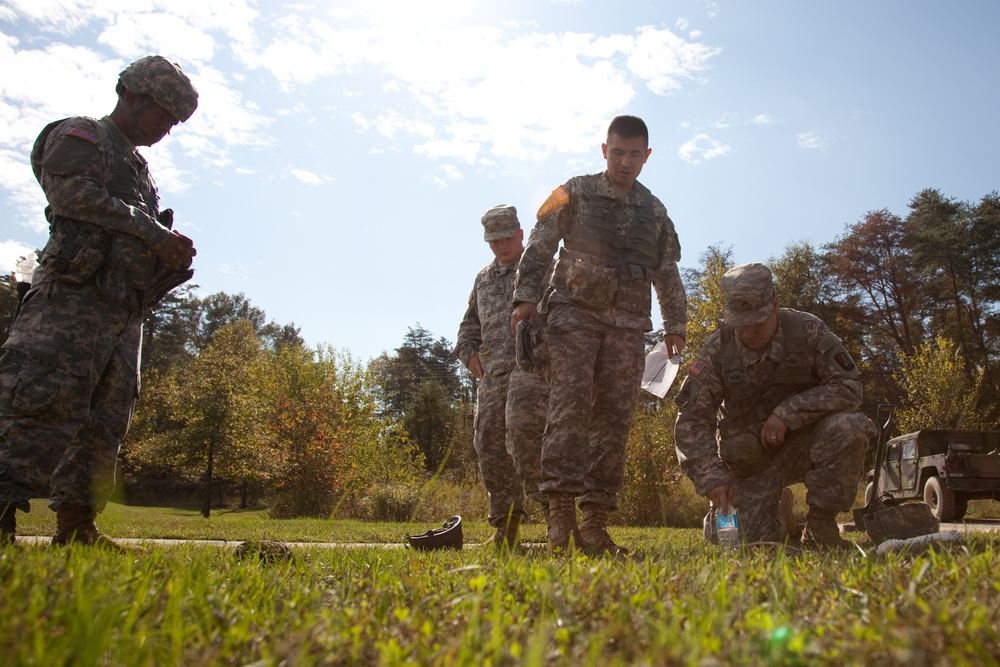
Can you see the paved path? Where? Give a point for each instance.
(972, 525)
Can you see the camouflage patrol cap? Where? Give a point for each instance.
(500, 222)
(748, 290)
(165, 82)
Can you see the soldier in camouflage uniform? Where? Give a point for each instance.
(617, 241)
(69, 371)
(770, 401)
(505, 421)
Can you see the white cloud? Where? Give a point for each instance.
(10, 252)
(476, 100)
(763, 119)
(811, 141)
(702, 147)
(307, 177)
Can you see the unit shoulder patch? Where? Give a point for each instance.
(556, 200)
(696, 368)
(85, 134)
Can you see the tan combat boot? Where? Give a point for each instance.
(8, 526)
(786, 505)
(594, 531)
(822, 530)
(562, 533)
(507, 535)
(75, 524)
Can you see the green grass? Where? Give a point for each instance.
(676, 601)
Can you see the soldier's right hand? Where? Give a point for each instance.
(177, 251)
(475, 366)
(522, 311)
(721, 497)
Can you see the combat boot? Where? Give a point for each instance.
(594, 531)
(786, 504)
(8, 526)
(562, 532)
(507, 535)
(822, 530)
(75, 524)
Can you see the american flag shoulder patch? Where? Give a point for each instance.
(696, 367)
(85, 134)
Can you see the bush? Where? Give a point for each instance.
(388, 502)
(655, 491)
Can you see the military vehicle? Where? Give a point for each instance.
(943, 468)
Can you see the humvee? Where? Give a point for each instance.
(945, 469)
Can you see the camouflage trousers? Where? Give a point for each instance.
(827, 455)
(527, 404)
(594, 376)
(68, 384)
(504, 487)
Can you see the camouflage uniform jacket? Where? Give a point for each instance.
(837, 389)
(103, 207)
(560, 218)
(485, 328)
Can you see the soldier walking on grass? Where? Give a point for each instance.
(486, 346)
(69, 374)
(617, 242)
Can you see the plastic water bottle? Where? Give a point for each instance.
(727, 529)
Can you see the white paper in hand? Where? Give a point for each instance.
(660, 370)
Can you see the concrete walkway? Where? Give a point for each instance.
(972, 525)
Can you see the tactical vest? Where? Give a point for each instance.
(601, 268)
(77, 251)
(747, 402)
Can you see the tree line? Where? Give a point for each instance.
(235, 408)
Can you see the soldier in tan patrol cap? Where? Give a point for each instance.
(69, 372)
(782, 394)
(508, 400)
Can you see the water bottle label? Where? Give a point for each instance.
(727, 522)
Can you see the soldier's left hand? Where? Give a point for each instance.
(674, 345)
(177, 251)
(772, 434)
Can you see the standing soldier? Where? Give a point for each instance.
(69, 374)
(772, 400)
(617, 241)
(486, 347)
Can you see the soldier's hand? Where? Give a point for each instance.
(772, 434)
(674, 345)
(721, 497)
(177, 251)
(475, 367)
(523, 311)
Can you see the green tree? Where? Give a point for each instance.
(8, 304)
(220, 309)
(704, 292)
(221, 406)
(424, 394)
(959, 247)
(330, 437)
(939, 394)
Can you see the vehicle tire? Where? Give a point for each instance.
(869, 492)
(940, 499)
(961, 507)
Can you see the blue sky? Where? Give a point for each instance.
(343, 152)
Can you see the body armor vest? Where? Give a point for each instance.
(601, 268)
(748, 402)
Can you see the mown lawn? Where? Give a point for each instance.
(675, 601)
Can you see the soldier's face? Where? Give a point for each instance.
(508, 249)
(625, 159)
(757, 336)
(155, 123)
